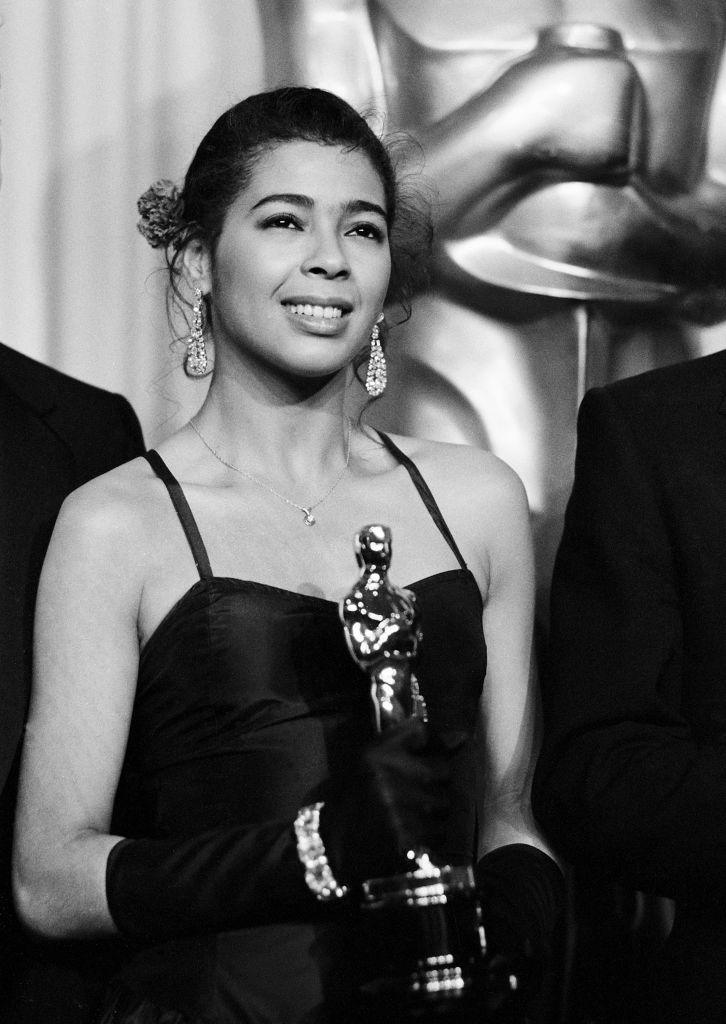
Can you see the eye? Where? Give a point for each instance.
(367, 230)
(283, 220)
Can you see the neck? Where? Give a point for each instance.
(295, 436)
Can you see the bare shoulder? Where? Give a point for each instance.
(472, 477)
(113, 498)
(483, 503)
(111, 516)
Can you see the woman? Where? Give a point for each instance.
(200, 772)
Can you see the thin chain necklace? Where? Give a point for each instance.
(307, 510)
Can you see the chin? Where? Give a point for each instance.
(316, 378)
(322, 370)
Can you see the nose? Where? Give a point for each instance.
(326, 256)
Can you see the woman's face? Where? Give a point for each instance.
(300, 271)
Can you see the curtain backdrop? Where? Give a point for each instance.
(98, 98)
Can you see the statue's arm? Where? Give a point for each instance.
(525, 124)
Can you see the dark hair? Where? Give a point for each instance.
(226, 157)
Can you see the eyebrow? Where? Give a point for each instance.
(354, 206)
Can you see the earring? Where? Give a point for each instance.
(376, 376)
(196, 363)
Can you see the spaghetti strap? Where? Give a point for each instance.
(181, 506)
(426, 496)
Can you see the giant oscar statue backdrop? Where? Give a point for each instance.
(578, 153)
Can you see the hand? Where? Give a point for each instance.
(537, 117)
(397, 800)
(522, 895)
(557, 128)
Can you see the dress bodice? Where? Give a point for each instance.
(266, 702)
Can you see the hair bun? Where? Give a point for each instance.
(161, 208)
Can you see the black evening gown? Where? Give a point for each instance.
(248, 705)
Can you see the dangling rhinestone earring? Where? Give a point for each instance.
(196, 362)
(376, 376)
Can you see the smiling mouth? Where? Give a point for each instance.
(321, 312)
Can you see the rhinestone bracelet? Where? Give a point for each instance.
(311, 851)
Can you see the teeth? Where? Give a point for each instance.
(326, 312)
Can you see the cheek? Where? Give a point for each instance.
(237, 280)
(385, 281)
(378, 273)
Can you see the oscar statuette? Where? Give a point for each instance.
(425, 924)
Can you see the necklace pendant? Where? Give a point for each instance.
(309, 518)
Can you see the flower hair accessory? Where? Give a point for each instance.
(161, 209)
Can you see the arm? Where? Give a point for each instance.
(509, 705)
(522, 887)
(72, 878)
(623, 787)
(85, 664)
(524, 125)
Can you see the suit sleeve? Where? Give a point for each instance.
(622, 787)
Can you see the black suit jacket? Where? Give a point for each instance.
(55, 434)
(631, 783)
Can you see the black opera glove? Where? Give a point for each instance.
(396, 800)
(522, 893)
(160, 889)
